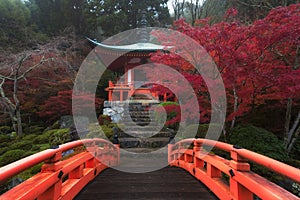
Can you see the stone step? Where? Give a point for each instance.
(124, 121)
(143, 135)
(141, 150)
(138, 115)
(139, 123)
(139, 111)
(142, 128)
(156, 142)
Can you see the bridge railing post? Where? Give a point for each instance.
(170, 149)
(212, 171)
(180, 154)
(117, 161)
(198, 163)
(92, 148)
(53, 165)
(238, 163)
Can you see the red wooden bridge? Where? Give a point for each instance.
(83, 176)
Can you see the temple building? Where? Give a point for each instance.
(131, 84)
(125, 59)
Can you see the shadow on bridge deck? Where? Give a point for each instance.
(167, 183)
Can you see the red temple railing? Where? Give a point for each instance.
(60, 178)
(243, 183)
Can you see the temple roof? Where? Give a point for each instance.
(140, 46)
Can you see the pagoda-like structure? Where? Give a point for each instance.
(131, 85)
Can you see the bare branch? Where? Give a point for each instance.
(42, 61)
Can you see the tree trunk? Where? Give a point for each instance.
(235, 107)
(16, 99)
(19, 122)
(293, 132)
(13, 119)
(287, 121)
(290, 146)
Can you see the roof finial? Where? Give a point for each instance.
(143, 25)
(144, 21)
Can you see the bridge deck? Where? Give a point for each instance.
(167, 183)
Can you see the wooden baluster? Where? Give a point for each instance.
(198, 163)
(170, 157)
(117, 156)
(236, 189)
(92, 148)
(213, 172)
(53, 165)
(77, 173)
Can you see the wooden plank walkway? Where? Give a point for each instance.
(167, 183)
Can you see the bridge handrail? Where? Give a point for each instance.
(274, 165)
(21, 165)
(193, 159)
(56, 165)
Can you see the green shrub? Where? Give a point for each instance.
(58, 136)
(167, 103)
(5, 129)
(36, 169)
(5, 144)
(24, 145)
(104, 119)
(295, 152)
(95, 131)
(4, 139)
(43, 146)
(107, 130)
(201, 130)
(41, 139)
(34, 130)
(30, 137)
(35, 148)
(11, 156)
(260, 141)
(55, 125)
(3, 150)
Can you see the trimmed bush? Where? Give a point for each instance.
(55, 125)
(107, 130)
(58, 136)
(43, 146)
(4, 139)
(96, 132)
(41, 139)
(5, 129)
(36, 169)
(201, 130)
(11, 156)
(30, 137)
(3, 150)
(34, 130)
(35, 148)
(258, 140)
(104, 120)
(24, 145)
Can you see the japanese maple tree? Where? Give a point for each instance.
(258, 62)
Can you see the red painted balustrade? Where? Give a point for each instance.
(60, 178)
(243, 183)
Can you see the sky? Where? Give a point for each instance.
(171, 8)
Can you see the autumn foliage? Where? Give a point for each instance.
(45, 93)
(259, 63)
